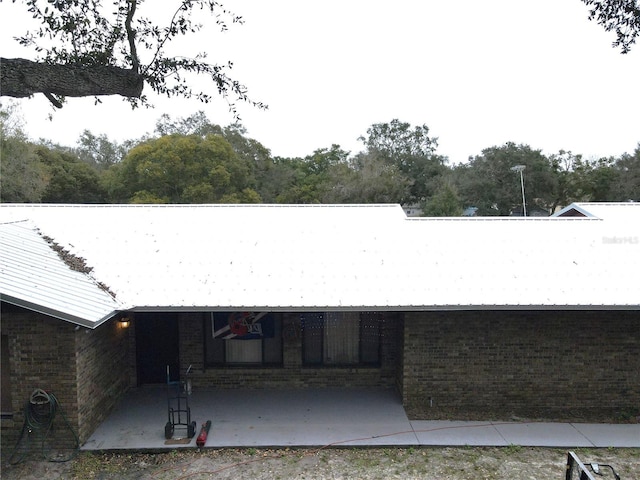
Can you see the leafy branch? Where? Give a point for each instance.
(621, 16)
(85, 34)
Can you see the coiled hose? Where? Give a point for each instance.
(39, 414)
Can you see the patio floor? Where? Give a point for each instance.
(326, 417)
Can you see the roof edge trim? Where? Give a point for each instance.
(67, 317)
(576, 207)
(414, 308)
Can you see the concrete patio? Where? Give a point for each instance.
(327, 417)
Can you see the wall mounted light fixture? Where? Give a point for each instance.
(124, 322)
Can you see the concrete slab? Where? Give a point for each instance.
(267, 418)
(453, 433)
(542, 434)
(327, 417)
(606, 435)
(327, 435)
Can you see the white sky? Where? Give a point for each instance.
(477, 73)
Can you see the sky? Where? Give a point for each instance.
(477, 73)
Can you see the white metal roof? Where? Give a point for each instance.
(286, 257)
(33, 275)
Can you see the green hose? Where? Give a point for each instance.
(39, 414)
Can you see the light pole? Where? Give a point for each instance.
(520, 168)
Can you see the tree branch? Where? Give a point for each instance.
(22, 78)
(131, 35)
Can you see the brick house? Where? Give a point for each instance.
(464, 317)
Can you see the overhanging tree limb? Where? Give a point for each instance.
(94, 47)
(22, 78)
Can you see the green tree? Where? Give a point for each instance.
(310, 178)
(564, 166)
(98, 151)
(181, 169)
(279, 181)
(412, 151)
(87, 48)
(607, 179)
(70, 180)
(22, 177)
(489, 182)
(266, 175)
(146, 197)
(195, 124)
(367, 179)
(629, 185)
(398, 142)
(444, 203)
(597, 180)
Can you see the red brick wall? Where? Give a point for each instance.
(583, 365)
(102, 373)
(85, 369)
(42, 356)
(292, 374)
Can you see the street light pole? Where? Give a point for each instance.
(520, 168)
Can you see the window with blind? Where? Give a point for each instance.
(341, 338)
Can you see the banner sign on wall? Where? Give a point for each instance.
(242, 325)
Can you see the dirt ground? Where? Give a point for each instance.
(513, 462)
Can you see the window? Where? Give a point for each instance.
(243, 338)
(341, 338)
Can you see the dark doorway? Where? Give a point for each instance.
(157, 347)
(6, 406)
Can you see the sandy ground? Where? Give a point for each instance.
(511, 462)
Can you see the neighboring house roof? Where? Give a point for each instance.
(323, 257)
(610, 211)
(37, 275)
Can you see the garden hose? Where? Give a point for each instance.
(39, 414)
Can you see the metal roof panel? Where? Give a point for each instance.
(284, 257)
(34, 276)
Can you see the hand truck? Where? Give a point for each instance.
(178, 410)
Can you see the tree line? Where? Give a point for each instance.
(95, 48)
(191, 160)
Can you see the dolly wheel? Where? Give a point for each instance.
(168, 430)
(191, 429)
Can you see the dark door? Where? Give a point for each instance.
(157, 347)
(5, 388)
